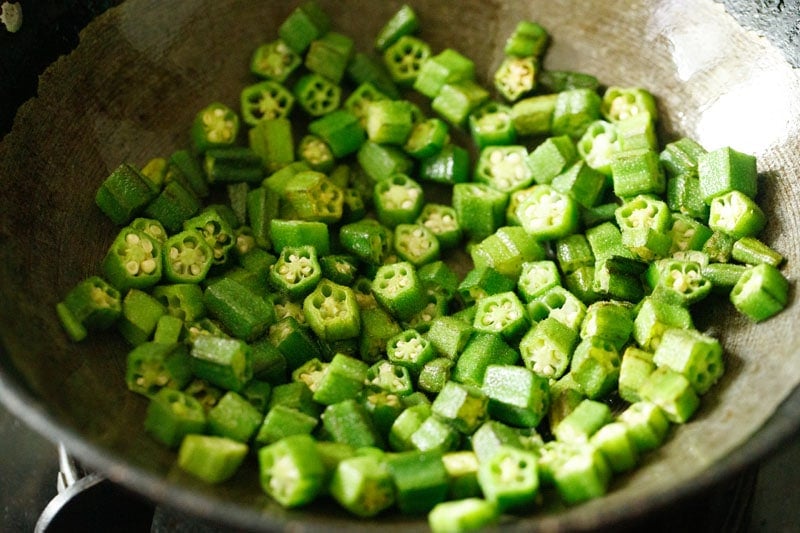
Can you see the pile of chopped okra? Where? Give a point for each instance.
(289, 292)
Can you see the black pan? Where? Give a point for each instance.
(141, 71)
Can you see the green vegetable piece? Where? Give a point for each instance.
(449, 336)
(398, 289)
(449, 166)
(404, 59)
(460, 515)
(636, 365)
(552, 157)
(124, 194)
(274, 61)
(555, 81)
(403, 22)
(598, 145)
(305, 23)
(390, 377)
(491, 124)
(504, 168)
(635, 172)
(316, 95)
(416, 244)
(214, 126)
(245, 314)
(688, 233)
(368, 240)
(434, 374)
(573, 111)
(420, 480)
(533, 115)
(329, 54)
(291, 470)
(616, 446)
(724, 170)
(187, 257)
(647, 424)
(342, 379)
(683, 196)
(463, 406)
(426, 138)
(210, 458)
(582, 475)
(529, 38)
(654, 317)
(282, 421)
(578, 426)
(595, 367)
(548, 214)
(752, 251)
(760, 292)
(502, 314)
(410, 350)
(435, 434)
(482, 350)
(637, 132)
(313, 197)
(547, 347)
(364, 68)
(515, 77)
(234, 417)
(133, 261)
(672, 392)
(297, 271)
(610, 320)
(234, 164)
(185, 167)
(479, 208)
(174, 204)
(620, 103)
(389, 122)
(140, 314)
(695, 355)
(380, 162)
(583, 183)
(517, 396)
(398, 200)
(536, 278)
(681, 282)
(169, 329)
(442, 221)
(216, 231)
(363, 485)
(679, 158)
(265, 100)
(226, 363)
(456, 100)
(448, 66)
(509, 479)
(349, 422)
(340, 130)
(93, 303)
(152, 366)
(736, 214)
(171, 415)
(723, 276)
(332, 312)
(560, 304)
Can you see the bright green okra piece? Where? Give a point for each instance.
(517, 396)
(211, 458)
(291, 470)
(502, 314)
(363, 485)
(281, 421)
(560, 304)
(411, 350)
(398, 289)
(595, 367)
(480, 209)
(274, 60)
(516, 77)
(133, 261)
(139, 318)
(482, 350)
(510, 479)
(672, 392)
(582, 183)
(491, 124)
(610, 320)
(331, 310)
(342, 379)
(724, 170)
(504, 168)
(92, 304)
(349, 422)
(234, 417)
(574, 110)
(695, 355)
(173, 414)
(654, 317)
(647, 424)
(598, 145)
(578, 426)
(124, 194)
(506, 250)
(736, 214)
(245, 314)
(620, 103)
(462, 514)
(405, 58)
(153, 366)
(548, 214)
(224, 362)
(420, 480)
(547, 347)
(635, 366)
(398, 200)
(465, 407)
(297, 271)
(448, 66)
(761, 292)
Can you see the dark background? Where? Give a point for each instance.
(761, 499)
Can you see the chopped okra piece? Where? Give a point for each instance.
(223, 362)
(398, 200)
(457, 100)
(547, 213)
(672, 392)
(515, 77)
(426, 138)
(404, 21)
(584, 184)
(282, 421)
(517, 396)
(172, 414)
(342, 379)
(411, 350)
(509, 478)
(420, 480)
(547, 347)
(348, 421)
(647, 424)
(139, 318)
(560, 304)
(573, 252)
(133, 261)
(491, 437)
(680, 282)
(598, 145)
(449, 336)
(529, 38)
(573, 111)
(390, 377)
(617, 446)
(637, 131)
(554, 81)
(332, 311)
(481, 282)
(435, 434)
(152, 366)
(620, 103)
(760, 292)
(491, 124)
(265, 100)
(312, 196)
(291, 470)
(381, 161)
(752, 251)
(174, 204)
(636, 365)
(723, 276)
(693, 354)
(618, 277)
(244, 313)
(389, 122)
(683, 196)
(211, 458)
(363, 485)
(316, 94)
(482, 350)
(234, 417)
(680, 157)
(449, 166)
(442, 221)
(578, 426)
(329, 54)
(688, 233)
(595, 367)
(316, 153)
(503, 314)
(434, 374)
(724, 170)
(305, 23)
(274, 61)
(297, 271)
(405, 425)
(216, 231)
(504, 168)
(169, 329)
(536, 278)
(463, 406)
(214, 126)
(340, 130)
(736, 214)
(635, 172)
(404, 59)
(653, 318)
(398, 289)
(552, 157)
(582, 475)
(480, 209)
(294, 341)
(234, 164)
(506, 250)
(448, 66)
(93, 303)
(611, 320)
(124, 194)
(461, 515)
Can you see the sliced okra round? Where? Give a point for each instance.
(216, 231)
(398, 200)
(133, 261)
(598, 145)
(504, 168)
(515, 77)
(215, 126)
(187, 257)
(317, 95)
(297, 271)
(274, 61)
(265, 100)
(416, 244)
(332, 311)
(404, 58)
(548, 214)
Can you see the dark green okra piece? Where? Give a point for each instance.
(173, 414)
(223, 362)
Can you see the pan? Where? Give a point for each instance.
(141, 71)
